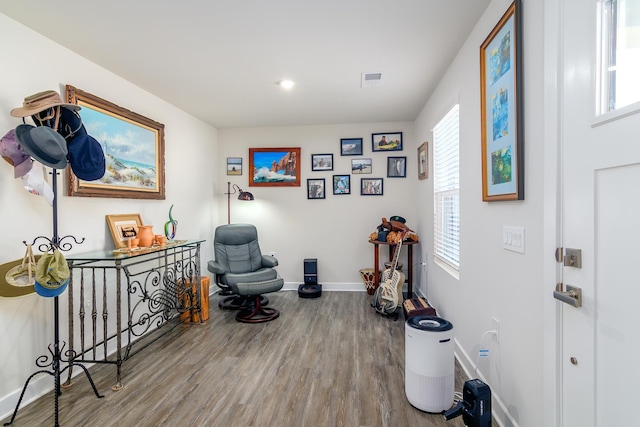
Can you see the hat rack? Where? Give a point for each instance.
(50, 363)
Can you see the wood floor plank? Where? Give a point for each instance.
(329, 361)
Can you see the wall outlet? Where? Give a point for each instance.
(496, 327)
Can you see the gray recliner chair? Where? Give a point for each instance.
(242, 270)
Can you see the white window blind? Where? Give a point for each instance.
(446, 191)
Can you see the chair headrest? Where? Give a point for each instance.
(235, 234)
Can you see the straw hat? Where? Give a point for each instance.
(41, 101)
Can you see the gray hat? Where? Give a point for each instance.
(44, 144)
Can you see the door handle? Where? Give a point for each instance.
(572, 296)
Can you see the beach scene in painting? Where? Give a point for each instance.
(234, 165)
(361, 166)
(130, 150)
(274, 166)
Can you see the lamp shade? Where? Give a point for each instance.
(245, 195)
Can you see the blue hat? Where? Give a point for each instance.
(85, 152)
(86, 157)
(52, 274)
(49, 292)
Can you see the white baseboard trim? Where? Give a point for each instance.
(498, 409)
(38, 387)
(348, 287)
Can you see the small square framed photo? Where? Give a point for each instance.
(341, 184)
(123, 227)
(386, 141)
(371, 186)
(351, 147)
(361, 166)
(322, 162)
(234, 165)
(315, 188)
(396, 167)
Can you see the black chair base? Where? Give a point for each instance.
(257, 313)
(240, 302)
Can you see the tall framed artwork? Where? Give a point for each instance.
(133, 147)
(501, 92)
(423, 161)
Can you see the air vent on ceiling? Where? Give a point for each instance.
(371, 80)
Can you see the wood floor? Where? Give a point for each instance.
(329, 361)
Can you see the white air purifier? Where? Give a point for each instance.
(429, 363)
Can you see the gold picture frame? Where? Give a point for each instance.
(135, 164)
(123, 227)
(501, 109)
(423, 161)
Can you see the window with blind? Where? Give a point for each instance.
(619, 56)
(446, 191)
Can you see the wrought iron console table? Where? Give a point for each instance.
(155, 287)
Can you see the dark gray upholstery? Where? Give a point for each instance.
(241, 269)
(238, 256)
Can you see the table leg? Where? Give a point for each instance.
(410, 271)
(376, 265)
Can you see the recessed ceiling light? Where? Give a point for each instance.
(286, 84)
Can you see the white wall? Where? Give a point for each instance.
(493, 282)
(335, 230)
(31, 64)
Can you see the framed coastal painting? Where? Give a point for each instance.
(501, 94)
(351, 147)
(234, 165)
(361, 165)
(133, 147)
(274, 167)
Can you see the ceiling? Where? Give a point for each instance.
(219, 60)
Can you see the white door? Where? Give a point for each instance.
(600, 170)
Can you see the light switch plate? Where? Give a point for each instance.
(513, 238)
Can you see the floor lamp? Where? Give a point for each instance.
(243, 195)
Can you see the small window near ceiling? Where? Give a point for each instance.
(446, 191)
(619, 58)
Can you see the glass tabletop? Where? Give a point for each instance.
(124, 253)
